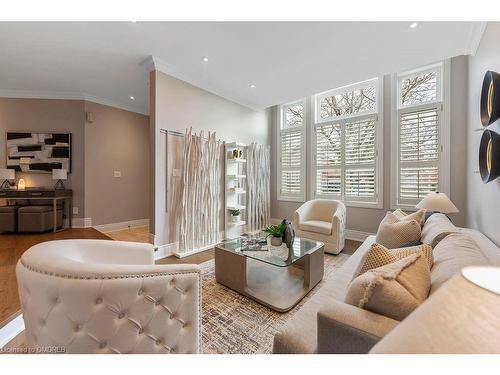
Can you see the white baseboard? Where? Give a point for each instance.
(166, 250)
(113, 227)
(356, 235)
(11, 330)
(82, 222)
(194, 251)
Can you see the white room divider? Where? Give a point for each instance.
(201, 202)
(258, 187)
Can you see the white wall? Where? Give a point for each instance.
(177, 105)
(483, 200)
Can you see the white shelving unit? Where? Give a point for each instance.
(235, 175)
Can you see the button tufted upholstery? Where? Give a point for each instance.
(95, 296)
(322, 220)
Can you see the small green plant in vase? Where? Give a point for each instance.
(235, 215)
(276, 233)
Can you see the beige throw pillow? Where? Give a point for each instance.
(394, 290)
(393, 232)
(419, 216)
(379, 256)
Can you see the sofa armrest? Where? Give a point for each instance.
(338, 225)
(347, 329)
(301, 214)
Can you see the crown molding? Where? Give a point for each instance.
(68, 95)
(154, 63)
(475, 36)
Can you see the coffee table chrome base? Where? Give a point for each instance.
(279, 288)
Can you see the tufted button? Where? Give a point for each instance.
(77, 328)
(172, 282)
(103, 344)
(173, 349)
(56, 300)
(42, 322)
(172, 316)
(159, 341)
(140, 292)
(141, 331)
(121, 315)
(98, 301)
(157, 303)
(185, 325)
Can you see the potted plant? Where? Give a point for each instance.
(235, 215)
(276, 233)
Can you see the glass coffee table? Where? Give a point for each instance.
(273, 275)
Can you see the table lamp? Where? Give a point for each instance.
(438, 202)
(6, 175)
(59, 175)
(462, 316)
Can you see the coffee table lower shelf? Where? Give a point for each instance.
(279, 288)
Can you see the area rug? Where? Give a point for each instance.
(234, 324)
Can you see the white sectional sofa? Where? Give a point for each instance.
(326, 324)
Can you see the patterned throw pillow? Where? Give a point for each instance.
(394, 290)
(419, 216)
(379, 256)
(393, 232)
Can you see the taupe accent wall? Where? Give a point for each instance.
(367, 219)
(47, 115)
(117, 140)
(483, 200)
(177, 105)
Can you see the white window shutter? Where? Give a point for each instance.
(291, 159)
(419, 147)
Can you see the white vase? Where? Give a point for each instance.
(235, 219)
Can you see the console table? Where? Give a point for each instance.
(51, 195)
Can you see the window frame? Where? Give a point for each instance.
(301, 197)
(442, 106)
(377, 116)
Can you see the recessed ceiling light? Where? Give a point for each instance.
(413, 25)
(252, 86)
(205, 59)
(132, 98)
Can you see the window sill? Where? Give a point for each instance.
(291, 199)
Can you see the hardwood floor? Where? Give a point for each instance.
(139, 234)
(12, 246)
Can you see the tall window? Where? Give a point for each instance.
(346, 136)
(419, 135)
(291, 182)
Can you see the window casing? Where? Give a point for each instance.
(291, 151)
(420, 135)
(346, 139)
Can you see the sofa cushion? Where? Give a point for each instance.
(419, 215)
(299, 334)
(452, 254)
(437, 227)
(379, 256)
(393, 232)
(316, 226)
(394, 290)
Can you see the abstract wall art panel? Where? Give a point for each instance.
(38, 152)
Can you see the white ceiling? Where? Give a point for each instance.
(105, 62)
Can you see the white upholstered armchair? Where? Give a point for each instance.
(322, 220)
(96, 296)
